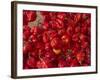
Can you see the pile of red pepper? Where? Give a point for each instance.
(62, 39)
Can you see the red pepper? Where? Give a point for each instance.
(62, 39)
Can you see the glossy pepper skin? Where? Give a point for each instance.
(61, 39)
(28, 16)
